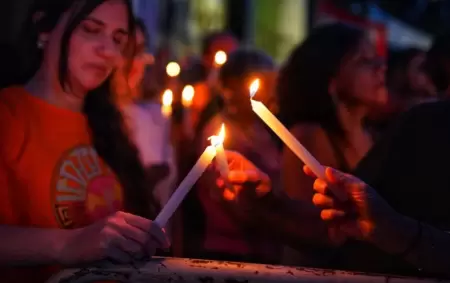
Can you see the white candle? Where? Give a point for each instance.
(220, 58)
(166, 110)
(288, 139)
(167, 100)
(187, 97)
(221, 159)
(180, 193)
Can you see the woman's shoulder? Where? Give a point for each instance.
(11, 99)
(12, 113)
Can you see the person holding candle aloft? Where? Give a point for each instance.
(247, 134)
(251, 198)
(326, 89)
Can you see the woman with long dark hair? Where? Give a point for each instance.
(67, 166)
(326, 89)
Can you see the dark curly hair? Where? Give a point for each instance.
(106, 123)
(303, 82)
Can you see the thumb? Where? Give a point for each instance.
(337, 181)
(334, 176)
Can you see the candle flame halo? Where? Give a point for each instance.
(220, 58)
(219, 139)
(173, 69)
(167, 97)
(187, 95)
(254, 86)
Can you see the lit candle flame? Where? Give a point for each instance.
(219, 139)
(187, 95)
(254, 87)
(173, 69)
(167, 98)
(220, 58)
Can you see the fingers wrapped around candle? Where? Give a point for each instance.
(237, 181)
(243, 175)
(334, 183)
(333, 208)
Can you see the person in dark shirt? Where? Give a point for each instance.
(409, 168)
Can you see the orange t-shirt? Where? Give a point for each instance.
(50, 175)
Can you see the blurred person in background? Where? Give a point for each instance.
(145, 121)
(228, 238)
(68, 167)
(208, 100)
(437, 64)
(326, 89)
(407, 79)
(408, 85)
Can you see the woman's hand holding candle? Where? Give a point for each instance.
(244, 178)
(361, 215)
(283, 133)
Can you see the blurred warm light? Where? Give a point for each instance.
(167, 97)
(187, 95)
(220, 58)
(254, 86)
(167, 100)
(228, 195)
(173, 69)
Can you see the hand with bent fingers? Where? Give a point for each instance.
(358, 217)
(120, 237)
(245, 180)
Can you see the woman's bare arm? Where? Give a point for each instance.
(20, 246)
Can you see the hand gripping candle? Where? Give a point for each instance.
(288, 139)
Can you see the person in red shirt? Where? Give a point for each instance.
(68, 170)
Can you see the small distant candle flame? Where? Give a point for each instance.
(219, 139)
(173, 69)
(167, 98)
(254, 87)
(187, 95)
(220, 58)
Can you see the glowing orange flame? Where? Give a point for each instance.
(220, 138)
(254, 86)
(187, 95)
(167, 98)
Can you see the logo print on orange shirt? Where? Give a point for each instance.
(85, 189)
